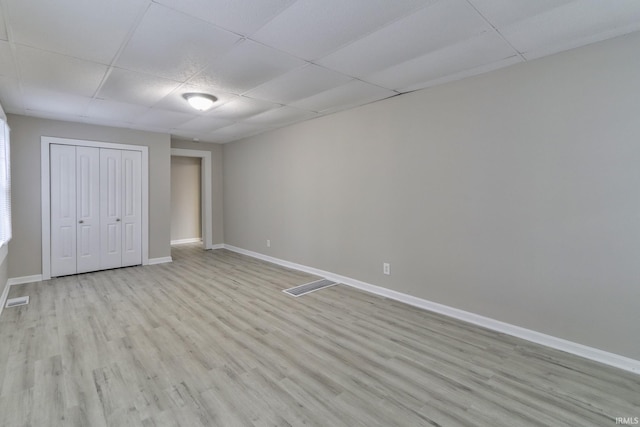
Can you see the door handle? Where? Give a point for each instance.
(81, 222)
(118, 219)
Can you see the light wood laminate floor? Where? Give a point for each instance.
(210, 340)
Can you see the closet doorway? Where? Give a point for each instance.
(94, 206)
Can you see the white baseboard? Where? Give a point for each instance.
(16, 281)
(161, 260)
(24, 279)
(218, 246)
(581, 350)
(183, 241)
(3, 297)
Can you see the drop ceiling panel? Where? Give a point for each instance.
(241, 108)
(311, 29)
(55, 72)
(117, 61)
(299, 83)
(52, 103)
(429, 29)
(280, 116)
(113, 110)
(235, 131)
(173, 45)
(74, 118)
(187, 135)
(135, 88)
(472, 53)
(92, 30)
(246, 66)
(162, 119)
(204, 124)
(354, 93)
(7, 64)
(11, 97)
(505, 12)
(243, 17)
(105, 122)
(573, 24)
(466, 72)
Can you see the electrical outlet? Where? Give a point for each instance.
(386, 268)
(268, 243)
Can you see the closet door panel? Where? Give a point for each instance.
(63, 209)
(88, 208)
(131, 208)
(110, 208)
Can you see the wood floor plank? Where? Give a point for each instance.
(210, 340)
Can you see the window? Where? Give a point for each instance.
(5, 185)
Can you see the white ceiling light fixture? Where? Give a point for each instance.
(200, 101)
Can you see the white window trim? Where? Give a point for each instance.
(4, 250)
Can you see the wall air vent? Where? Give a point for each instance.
(15, 302)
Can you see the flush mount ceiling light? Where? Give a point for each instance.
(200, 101)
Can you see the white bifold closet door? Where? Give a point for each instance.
(88, 214)
(96, 209)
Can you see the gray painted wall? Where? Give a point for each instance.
(216, 183)
(185, 198)
(25, 250)
(513, 195)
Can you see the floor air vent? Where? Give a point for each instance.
(309, 287)
(14, 302)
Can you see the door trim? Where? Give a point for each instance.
(205, 191)
(45, 142)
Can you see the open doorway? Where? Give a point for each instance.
(191, 217)
(186, 203)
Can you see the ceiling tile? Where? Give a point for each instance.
(113, 110)
(88, 29)
(74, 118)
(243, 17)
(162, 119)
(281, 116)
(575, 24)
(241, 108)
(245, 66)
(504, 12)
(236, 131)
(348, 95)
(55, 72)
(463, 74)
(176, 102)
(187, 135)
(429, 29)
(170, 44)
(105, 122)
(297, 84)
(311, 29)
(7, 64)
(135, 88)
(11, 98)
(203, 124)
(475, 52)
(55, 103)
